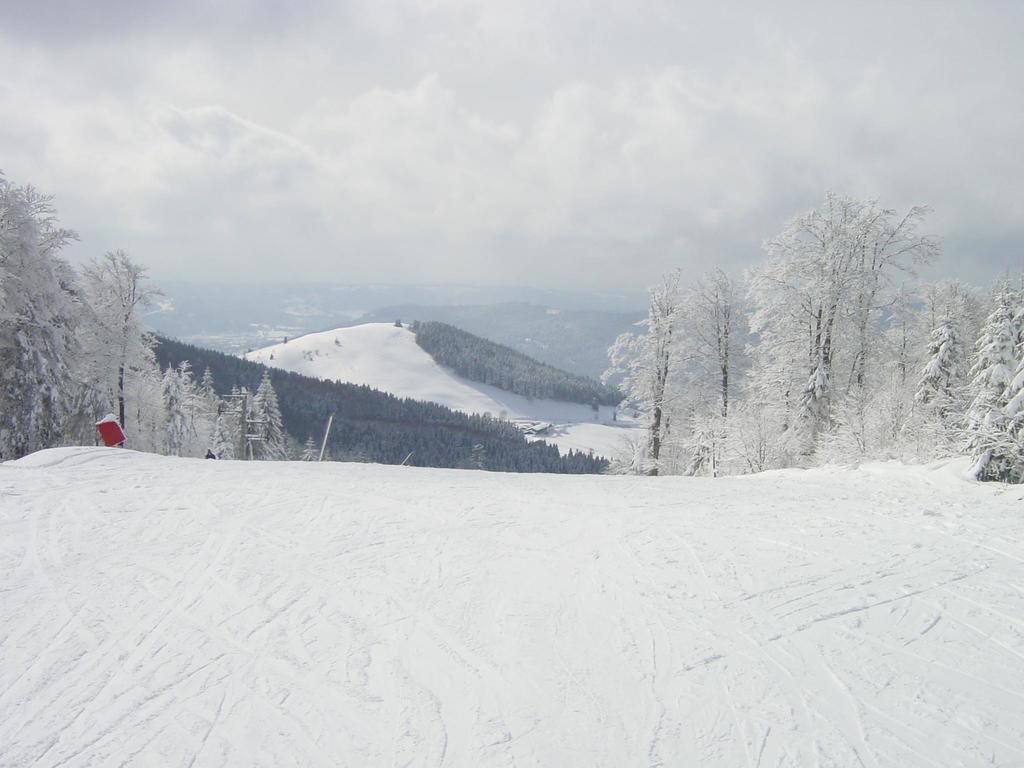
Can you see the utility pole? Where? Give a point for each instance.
(241, 400)
(251, 428)
(248, 429)
(327, 431)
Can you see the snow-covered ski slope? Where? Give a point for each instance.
(176, 612)
(387, 358)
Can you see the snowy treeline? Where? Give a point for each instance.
(481, 360)
(375, 426)
(73, 349)
(831, 350)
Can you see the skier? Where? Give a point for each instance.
(210, 454)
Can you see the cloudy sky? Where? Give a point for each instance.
(557, 144)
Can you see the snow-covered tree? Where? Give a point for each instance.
(707, 439)
(1013, 411)
(992, 375)
(144, 398)
(228, 431)
(817, 306)
(873, 417)
(115, 344)
(710, 350)
(176, 391)
(478, 457)
(205, 407)
(752, 437)
(270, 427)
(711, 317)
(941, 379)
(646, 361)
(1013, 414)
(38, 313)
(944, 322)
(309, 450)
(224, 439)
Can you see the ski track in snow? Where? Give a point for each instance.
(181, 612)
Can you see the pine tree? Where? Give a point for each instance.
(1013, 412)
(273, 446)
(937, 387)
(177, 386)
(309, 450)
(224, 435)
(478, 456)
(206, 384)
(985, 430)
(205, 412)
(1014, 423)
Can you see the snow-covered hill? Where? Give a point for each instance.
(158, 611)
(387, 358)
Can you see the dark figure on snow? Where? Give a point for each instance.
(210, 454)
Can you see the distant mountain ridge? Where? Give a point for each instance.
(574, 340)
(234, 317)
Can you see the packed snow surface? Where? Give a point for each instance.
(180, 612)
(386, 357)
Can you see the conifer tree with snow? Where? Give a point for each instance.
(985, 431)
(206, 391)
(937, 410)
(38, 314)
(478, 456)
(206, 384)
(1013, 411)
(936, 389)
(204, 411)
(265, 410)
(309, 450)
(177, 392)
(225, 439)
(1014, 421)
(943, 326)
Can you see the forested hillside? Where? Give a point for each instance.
(374, 426)
(571, 338)
(484, 361)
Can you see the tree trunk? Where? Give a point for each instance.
(725, 389)
(655, 439)
(120, 396)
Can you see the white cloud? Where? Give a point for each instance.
(548, 143)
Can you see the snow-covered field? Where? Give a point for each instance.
(177, 612)
(386, 357)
